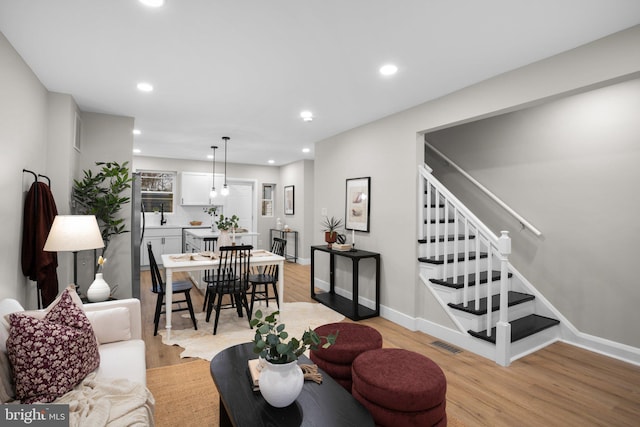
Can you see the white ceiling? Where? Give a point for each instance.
(247, 68)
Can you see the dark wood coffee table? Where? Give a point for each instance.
(326, 404)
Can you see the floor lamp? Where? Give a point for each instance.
(73, 233)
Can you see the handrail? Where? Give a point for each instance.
(521, 220)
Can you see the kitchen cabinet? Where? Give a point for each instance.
(163, 241)
(195, 189)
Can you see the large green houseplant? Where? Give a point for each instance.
(100, 194)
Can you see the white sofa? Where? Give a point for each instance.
(118, 329)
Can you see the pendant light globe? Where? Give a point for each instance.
(225, 187)
(213, 194)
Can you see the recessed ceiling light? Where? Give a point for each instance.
(307, 116)
(306, 150)
(136, 132)
(144, 87)
(137, 151)
(271, 161)
(152, 3)
(210, 156)
(388, 70)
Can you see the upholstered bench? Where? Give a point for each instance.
(400, 388)
(353, 339)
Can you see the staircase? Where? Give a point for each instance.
(497, 312)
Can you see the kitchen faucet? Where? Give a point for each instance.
(163, 220)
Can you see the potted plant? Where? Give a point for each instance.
(281, 379)
(212, 211)
(101, 195)
(226, 223)
(330, 227)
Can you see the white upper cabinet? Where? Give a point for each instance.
(195, 188)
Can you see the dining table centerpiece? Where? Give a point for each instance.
(281, 379)
(227, 225)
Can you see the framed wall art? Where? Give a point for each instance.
(289, 200)
(358, 204)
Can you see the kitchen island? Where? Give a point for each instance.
(196, 240)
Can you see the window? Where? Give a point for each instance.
(157, 190)
(268, 191)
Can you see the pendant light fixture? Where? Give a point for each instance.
(225, 188)
(213, 193)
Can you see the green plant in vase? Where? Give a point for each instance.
(226, 223)
(270, 340)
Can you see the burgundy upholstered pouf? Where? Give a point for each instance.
(353, 339)
(400, 387)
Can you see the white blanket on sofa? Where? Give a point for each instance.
(100, 402)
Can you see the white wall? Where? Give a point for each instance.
(23, 138)
(300, 175)
(389, 150)
(108, 138)
(36, 133)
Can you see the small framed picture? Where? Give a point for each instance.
(289, 200)
(358, 204)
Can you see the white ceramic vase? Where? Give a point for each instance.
(99, 289)
(224, 239)
(280, 384)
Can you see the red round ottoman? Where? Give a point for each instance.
(353, 339)
(400, 388)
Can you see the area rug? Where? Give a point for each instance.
(232, 330)
(186, 396)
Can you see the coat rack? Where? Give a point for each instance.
(36, 178)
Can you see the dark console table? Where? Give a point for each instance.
(349, 307)
(327, 404)
(283, 234)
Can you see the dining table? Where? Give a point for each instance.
(206, 261)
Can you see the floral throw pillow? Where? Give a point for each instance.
(51, 355)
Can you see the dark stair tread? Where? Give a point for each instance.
(515, 298)
(450, 238)
(450, 257)
(459, 282)
(520, 328)
(441, 221)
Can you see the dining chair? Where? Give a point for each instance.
(231, 278)
(268, 276)
(208, 245)
(158, 287)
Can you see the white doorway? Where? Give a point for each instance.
(241, 202)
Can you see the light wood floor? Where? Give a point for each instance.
(560, 385)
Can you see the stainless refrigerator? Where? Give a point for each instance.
(137, 232)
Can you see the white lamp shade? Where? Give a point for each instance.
(71, 233)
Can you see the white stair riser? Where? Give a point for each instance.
(450, 247)
(479, 323)
(442, 272)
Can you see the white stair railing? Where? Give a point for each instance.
(437, 229)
